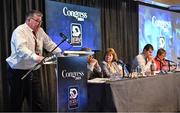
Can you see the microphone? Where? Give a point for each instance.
(47, 59)
(169, 61)
(170, 64)
(51, 58)
(65, 38)
(121, 62)
(178, 58)
(68, 41)
(125, 71)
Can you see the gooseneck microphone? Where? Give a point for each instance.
(178, 58)
(121, 62)
(51, 58)
(169, 60)
(170, 63)
(123, 66)
(65, 38)
(45, 58)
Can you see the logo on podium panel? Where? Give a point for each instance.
(73, 97)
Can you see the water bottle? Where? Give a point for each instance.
(178, 66)
(152, 68)
(138, 70)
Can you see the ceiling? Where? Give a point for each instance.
(168, 2)
(171, 4)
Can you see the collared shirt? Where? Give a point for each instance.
(140, 60)
(23, 47)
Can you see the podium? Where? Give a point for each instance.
(71, 84)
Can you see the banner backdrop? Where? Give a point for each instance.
(80, 24)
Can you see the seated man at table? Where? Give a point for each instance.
(93, 67)
(145, 60)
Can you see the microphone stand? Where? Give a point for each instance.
(123, 70)
(41, 62)
(161, 71)
(123, 67)
(169, 65)
(161, 66)
(178, 58)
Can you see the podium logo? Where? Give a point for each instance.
(80, 16)
(73, 93)
(73, 97)
(74, 75)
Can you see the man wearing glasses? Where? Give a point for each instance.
(27, 43)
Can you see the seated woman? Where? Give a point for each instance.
(161, 64)
(110, 68)
(93, 67)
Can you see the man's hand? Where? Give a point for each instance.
(39, 58)
(93, 61)
(150, 58)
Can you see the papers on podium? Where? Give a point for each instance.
(77, 53)
(98, 80)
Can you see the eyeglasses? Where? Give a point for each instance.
(90, 56)
(37, 21)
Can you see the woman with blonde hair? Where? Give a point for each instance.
(115, 55)
(110, 67)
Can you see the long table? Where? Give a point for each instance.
(150, 94)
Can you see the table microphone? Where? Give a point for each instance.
(178, 58)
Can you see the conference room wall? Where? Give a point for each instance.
(119, 30)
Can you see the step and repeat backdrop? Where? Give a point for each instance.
(161, 28)
(79, 23)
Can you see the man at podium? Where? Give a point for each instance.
(27, 43)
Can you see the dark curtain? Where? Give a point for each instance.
(119, 27)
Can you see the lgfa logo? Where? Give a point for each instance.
(73, 97)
